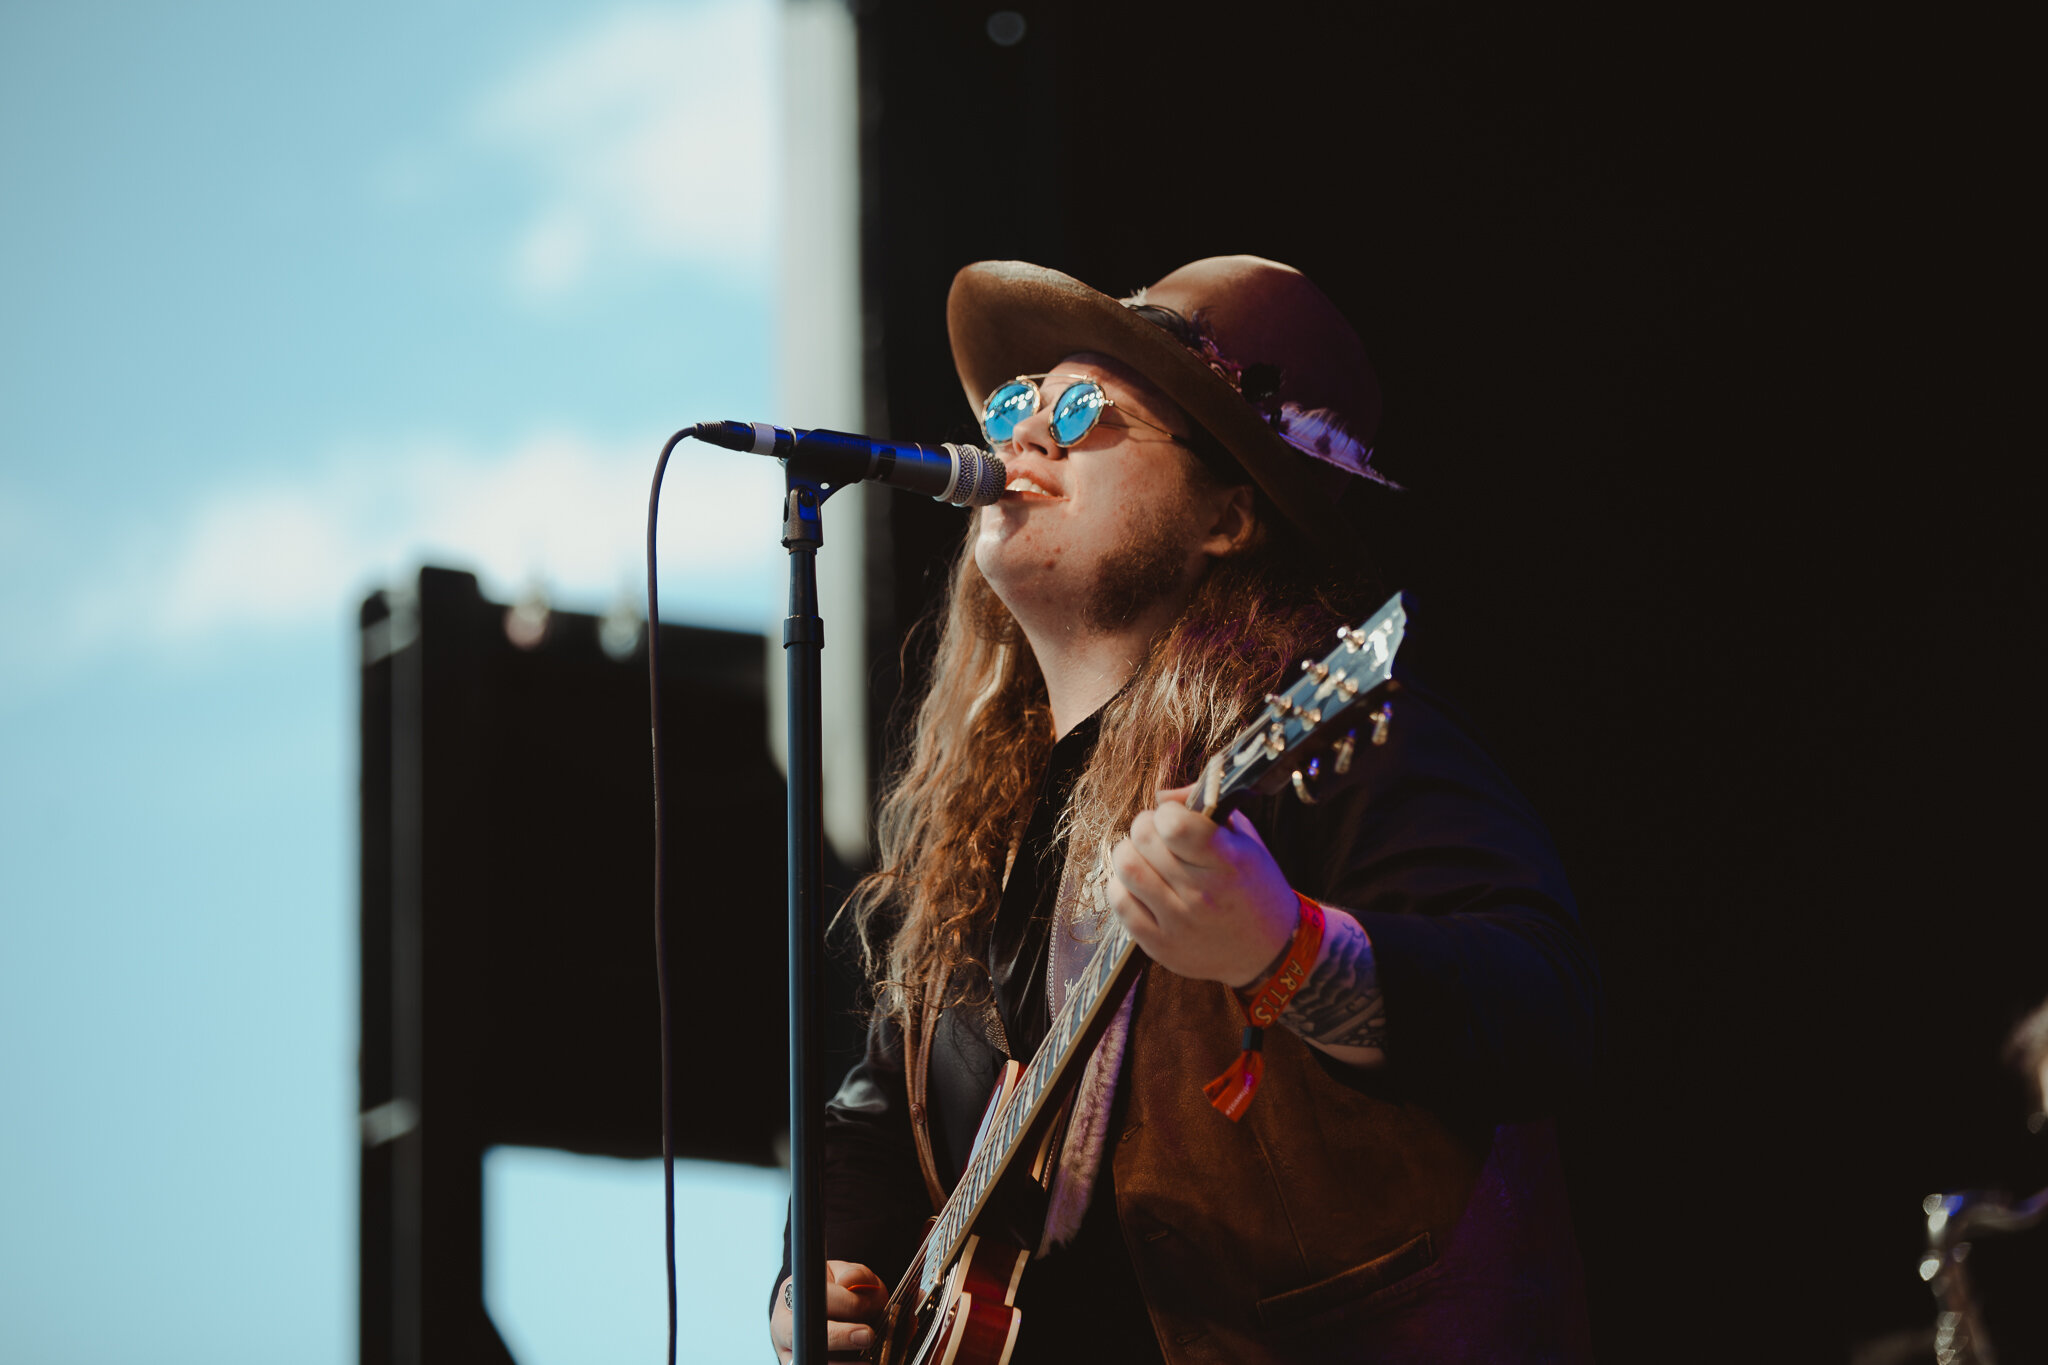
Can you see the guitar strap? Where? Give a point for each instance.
(1080, 913)
(917, 1058)
(1080, 923)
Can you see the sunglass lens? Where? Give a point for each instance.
(1074, 415)
(1005, 408)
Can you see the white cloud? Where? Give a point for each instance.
(561, 510)
(650, 135)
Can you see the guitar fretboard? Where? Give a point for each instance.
(1086, 997)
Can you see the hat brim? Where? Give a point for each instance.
(1008, 318)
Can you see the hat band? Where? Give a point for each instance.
(1318, 433)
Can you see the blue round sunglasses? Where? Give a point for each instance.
(1074, 413)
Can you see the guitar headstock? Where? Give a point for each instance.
(1308, 735)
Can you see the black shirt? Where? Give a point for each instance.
(1020, 940)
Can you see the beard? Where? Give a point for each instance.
(1145, 566)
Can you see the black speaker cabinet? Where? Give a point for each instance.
(508, 966)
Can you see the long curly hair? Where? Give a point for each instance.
(959, 795)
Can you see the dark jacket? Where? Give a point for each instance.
(1412, 1212)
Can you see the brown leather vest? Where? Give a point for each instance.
(1331, 1223)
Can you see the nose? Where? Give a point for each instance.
(1034, 434)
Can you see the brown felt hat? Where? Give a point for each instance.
(1286, 386)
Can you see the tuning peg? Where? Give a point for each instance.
(1353, 638)
(1381, 719)
(1301, 784)
(1344, 749)
(1314, 669)
(1286, 708)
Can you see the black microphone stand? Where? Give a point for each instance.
(803, 639)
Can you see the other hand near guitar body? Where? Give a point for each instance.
(854, 1300)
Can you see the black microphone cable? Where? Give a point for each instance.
(668, 1141)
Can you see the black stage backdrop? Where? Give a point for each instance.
(1696, 330)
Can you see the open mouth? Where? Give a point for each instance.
(1024, 485)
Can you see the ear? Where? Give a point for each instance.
(1231, 524)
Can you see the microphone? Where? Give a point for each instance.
(961, 475)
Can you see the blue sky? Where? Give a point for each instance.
(293, 299)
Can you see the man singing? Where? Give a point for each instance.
(1179, 533)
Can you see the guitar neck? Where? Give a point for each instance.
(1091, 1001)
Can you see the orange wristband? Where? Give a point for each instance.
(1231, 1093)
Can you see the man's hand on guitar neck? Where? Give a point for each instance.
(854, 1298)
(1207, 902)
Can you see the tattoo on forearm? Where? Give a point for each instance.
(1340, 1005)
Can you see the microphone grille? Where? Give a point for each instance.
(981, 479)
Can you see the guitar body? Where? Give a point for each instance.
(977, 1319)
(973, 1320)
